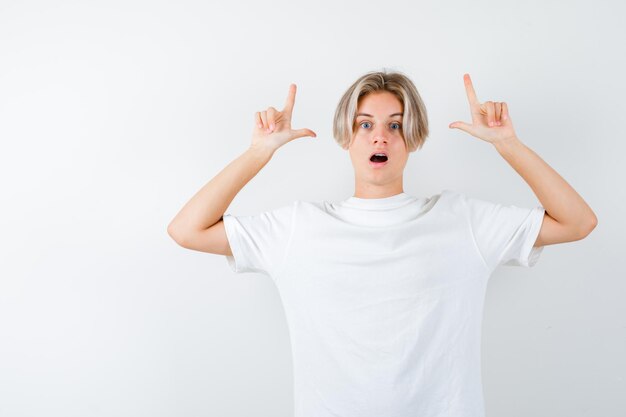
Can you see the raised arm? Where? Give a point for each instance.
(568, 217)
(198, 225)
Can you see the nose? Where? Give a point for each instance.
(379, 138)
(379, 135)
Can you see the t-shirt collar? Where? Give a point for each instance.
(393, 201)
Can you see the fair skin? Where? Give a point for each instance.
(378, 128)
(199, 225)
(568, 217)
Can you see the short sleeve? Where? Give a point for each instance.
(505, 234)
(259, 242)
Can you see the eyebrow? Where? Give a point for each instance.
(369, 115)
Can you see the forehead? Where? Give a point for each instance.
(381, 103)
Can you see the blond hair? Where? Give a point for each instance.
(414, 120)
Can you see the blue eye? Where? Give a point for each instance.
(399, 125)
(394, 123)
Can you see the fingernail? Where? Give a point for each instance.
(490, 123)
(499, 124)
(272, 126)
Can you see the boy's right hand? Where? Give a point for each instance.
(273, 128)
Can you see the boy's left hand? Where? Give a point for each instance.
(482, 117)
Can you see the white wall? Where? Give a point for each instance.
(114, 113)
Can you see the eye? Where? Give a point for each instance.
(398, 124)
(361, 124)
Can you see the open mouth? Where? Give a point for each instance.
(378, 159)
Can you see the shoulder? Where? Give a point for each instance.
(459, 200)
(283, 213)
(450, 200)
(454, 195)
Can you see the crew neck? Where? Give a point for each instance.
(393, 201)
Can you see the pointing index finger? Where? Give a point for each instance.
(469, 89)
(291, 98)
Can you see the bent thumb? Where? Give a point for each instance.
(462, 126)
(303, 132)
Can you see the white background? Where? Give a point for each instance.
(114, 113)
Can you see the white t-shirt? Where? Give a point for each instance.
(384, 297)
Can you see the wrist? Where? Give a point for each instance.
(261, 152)
(507, 145)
